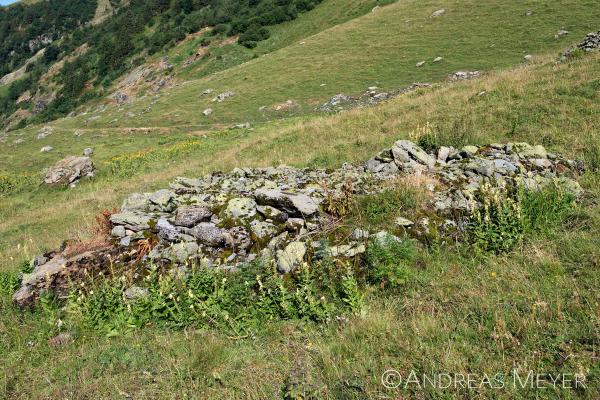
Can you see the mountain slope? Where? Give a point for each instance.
(381, 49)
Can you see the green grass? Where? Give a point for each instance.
(379, 48)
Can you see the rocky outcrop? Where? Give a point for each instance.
(69, 171)
(279, 215)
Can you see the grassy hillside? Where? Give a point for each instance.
(534, 308)
(380, 48)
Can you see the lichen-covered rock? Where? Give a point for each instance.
(134, 221)
(291, 257)
(209, 234)
(192, 215)
(69, 171)
(243, 208)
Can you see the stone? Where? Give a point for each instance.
(262, 229)
(136, 202)
(223, 96)
(470, 150)
(240, 239)
(44, 132)
(131, 220)
(438, 59)
(528, 57)
(291, 257)
(438, 13)
(346, 250)
(209, 234)
(241, 209)
(405, 150)
(182, 252)
(190, 216)
(443, 154)
(383, 238)
(69, 170)
(88, 151)
(403, 222)
(420, 64)
(207, 112)
(294, 224)
(272, 213)
(163, 199)
(166, 231)
(118, 231)
(46, 149)
(293, 204)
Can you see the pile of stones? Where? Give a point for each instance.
(590, 43)
(280, 214)
(372, 96)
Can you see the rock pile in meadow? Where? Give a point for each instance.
(590, 43)
(281, 214)
(371, 97)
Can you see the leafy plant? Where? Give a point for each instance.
(497, 224)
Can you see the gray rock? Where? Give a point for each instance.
(191, 216)
(420, 64)
(209, 234)
(46, 149)
(383, 238)
(166, 231)
(294, 224)
(136, 293)
(293, 204)
(223, 96)
(404, 151)
(346, 250)
(360, 235)
(241, 208)
(272, 213)
(69, 170)
(88, 151)
(131, 220)
(438, 13)
(207, 112)
(403, 222)
(118, 231)
(136, 202)
(163, 199)
(263, 229)
(291, 257)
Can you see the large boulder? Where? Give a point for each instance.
(69, 171)
(292, 204)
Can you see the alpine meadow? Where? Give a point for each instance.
(300, 199)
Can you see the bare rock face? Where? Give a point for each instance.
(69, 171)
